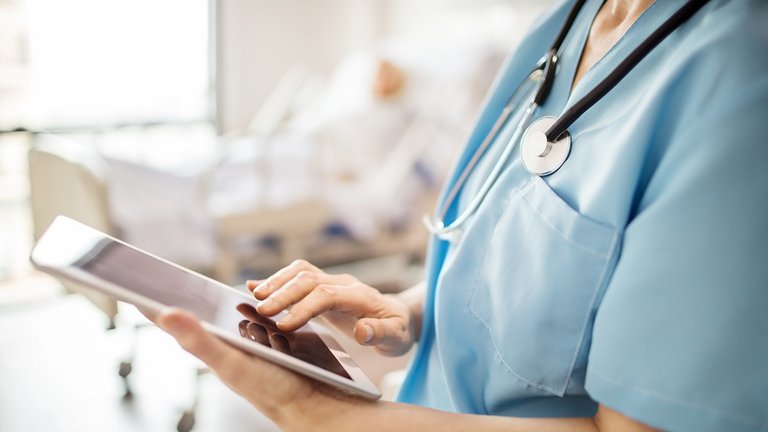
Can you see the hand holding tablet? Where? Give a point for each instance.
(274, 390)
(77, 252)
(374, 319)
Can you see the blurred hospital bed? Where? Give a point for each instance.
(328, 170)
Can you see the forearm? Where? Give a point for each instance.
(325, 411)
(296, 403)
(341, 414)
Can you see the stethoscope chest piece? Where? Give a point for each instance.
(540, 156)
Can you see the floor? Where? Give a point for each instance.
(58, 369)
(15, 221)
(58, 363)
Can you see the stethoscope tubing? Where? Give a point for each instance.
(547, 65)
(609, 82)
(438, 229)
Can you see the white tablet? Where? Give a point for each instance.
(77, 252)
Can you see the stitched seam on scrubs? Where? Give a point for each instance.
(498, 350)
(507, 365)
(740, 419)
(566, 238)
(600, 288)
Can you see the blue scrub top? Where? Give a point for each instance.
(635, 276)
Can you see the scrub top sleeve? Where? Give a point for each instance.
(680, 340)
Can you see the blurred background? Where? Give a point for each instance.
(229, 136)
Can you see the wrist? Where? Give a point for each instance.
(324, 409)
(296, 414)
(287, 401)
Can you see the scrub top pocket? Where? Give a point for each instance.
(538, 286)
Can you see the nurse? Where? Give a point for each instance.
(624, 290)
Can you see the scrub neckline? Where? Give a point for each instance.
(636, 32)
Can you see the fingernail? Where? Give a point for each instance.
(368, 333)
(263, 303)
(287, 320)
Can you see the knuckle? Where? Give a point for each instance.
(371, 295)
(275, 301)
(305, 276)
(359, 286)
(326, 291)
(303, 312)
(299, 263)
(391, 330)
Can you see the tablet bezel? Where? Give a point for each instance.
(43, 258)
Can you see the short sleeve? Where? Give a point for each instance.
(680, 340)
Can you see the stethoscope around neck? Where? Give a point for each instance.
(546, 143)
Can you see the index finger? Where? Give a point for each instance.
(253, 283)
(281, 277)
(355, 301)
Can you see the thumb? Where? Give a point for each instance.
(392, 332)
(188, 332)
(178, 323)
(239, 371)
(363, 332)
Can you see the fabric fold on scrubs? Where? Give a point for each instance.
(680, 338)
(635, 276)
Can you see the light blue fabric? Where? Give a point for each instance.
(635, 276)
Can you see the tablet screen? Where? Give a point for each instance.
(145, 275)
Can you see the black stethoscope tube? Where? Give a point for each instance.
(602, 88)
(546, 143)
(550, 60)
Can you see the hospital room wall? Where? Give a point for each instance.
(259, 40)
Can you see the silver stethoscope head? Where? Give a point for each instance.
(540, 156)
(541, 78)
(546, 143)
(451, 232)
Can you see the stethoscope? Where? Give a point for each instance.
(546, 143)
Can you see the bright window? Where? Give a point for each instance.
(101, 62)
